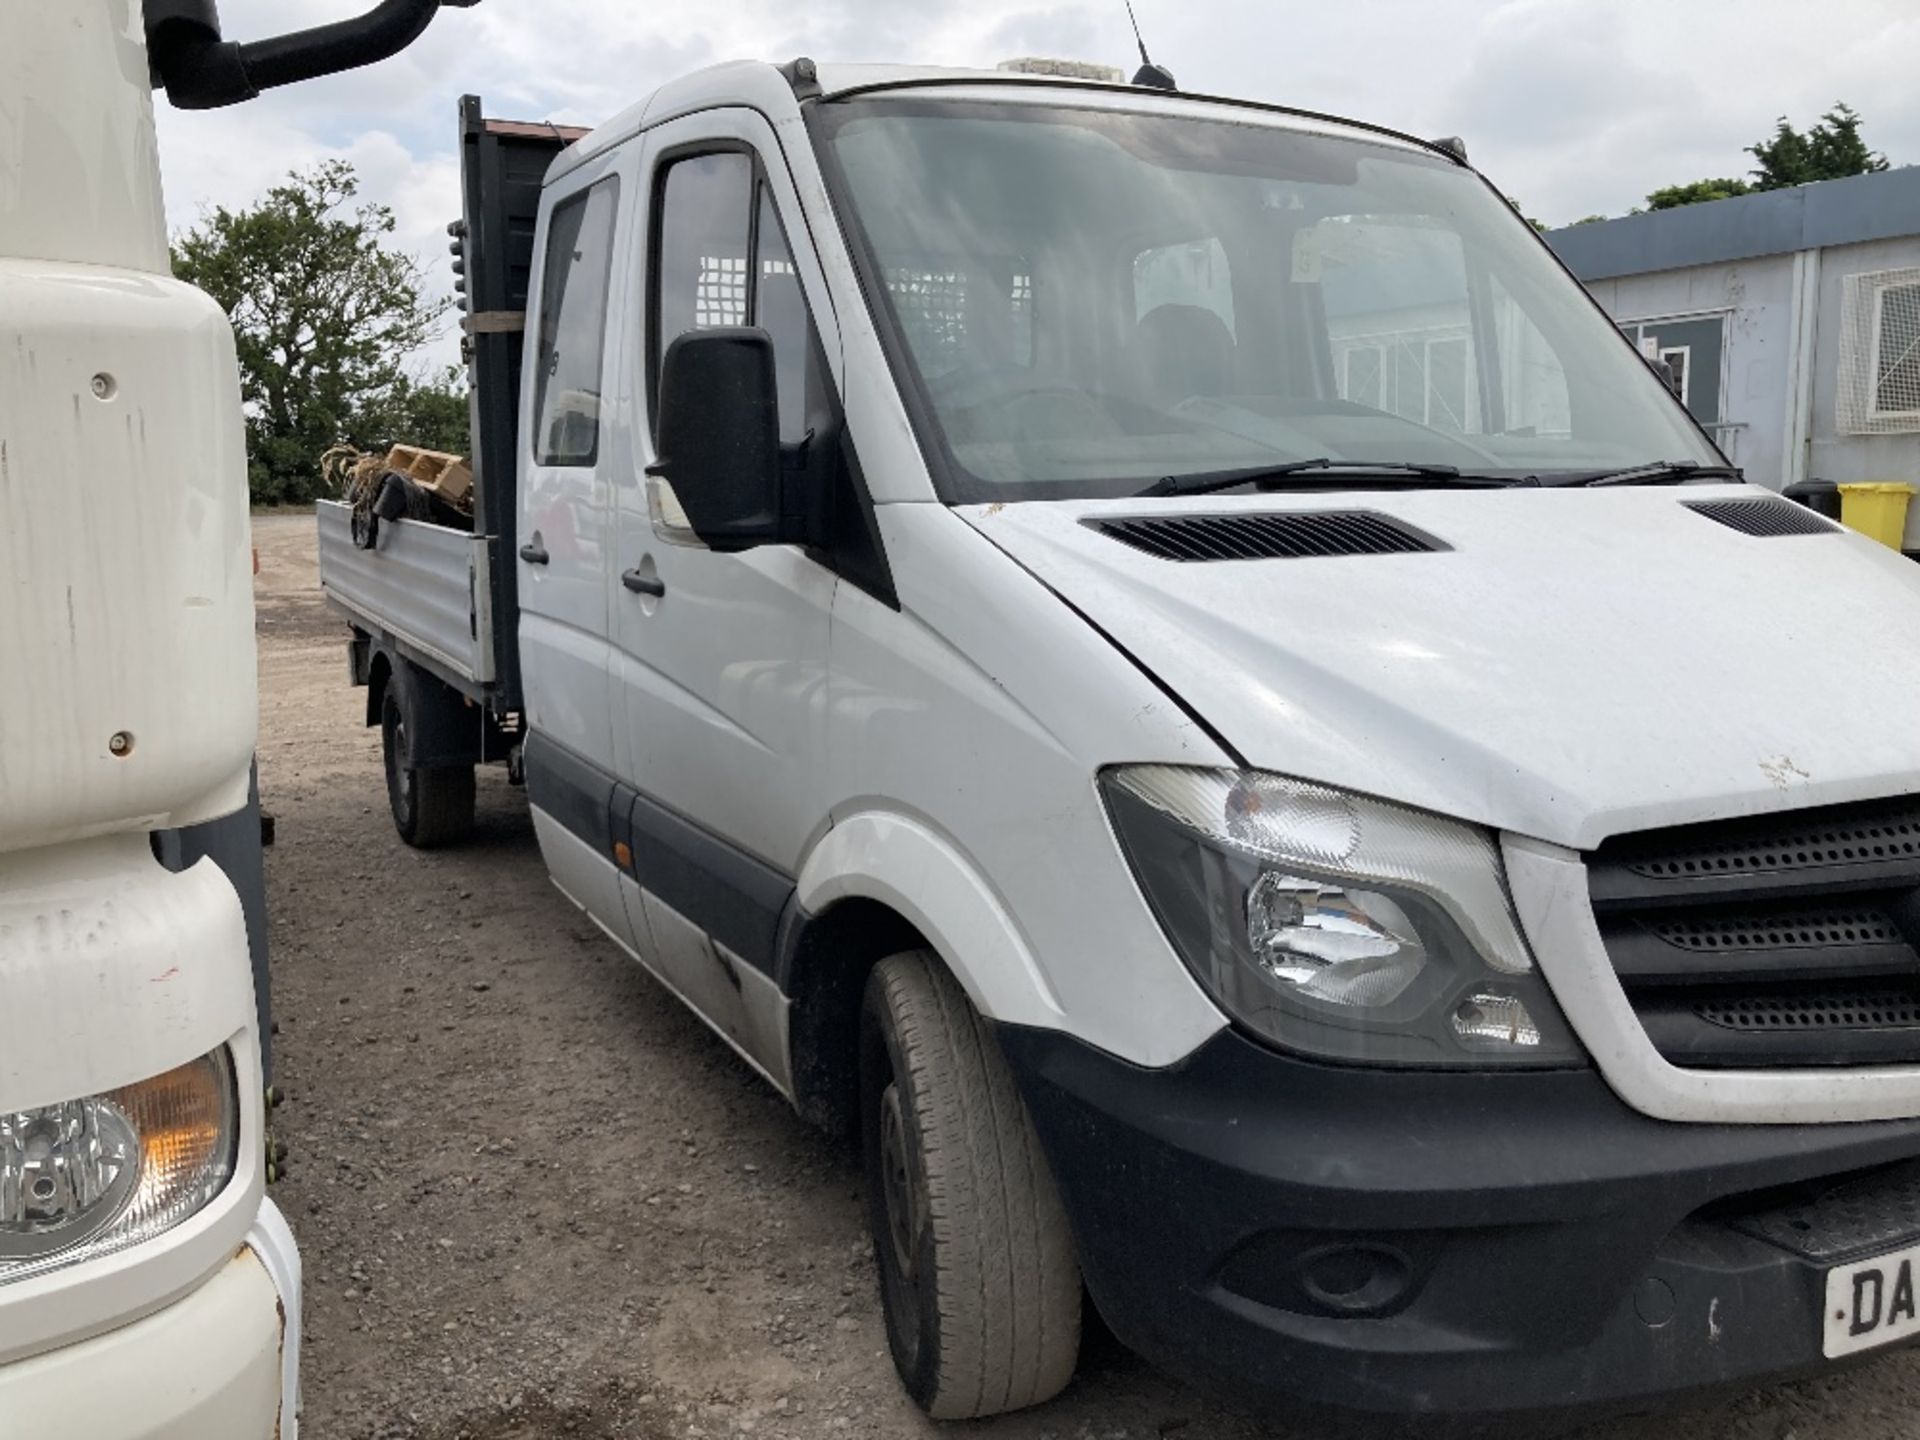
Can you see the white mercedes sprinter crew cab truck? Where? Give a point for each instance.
(148, 1288)
(1161, 660)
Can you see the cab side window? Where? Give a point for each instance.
(723, 259)
(573, 326)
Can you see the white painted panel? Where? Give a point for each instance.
(1579, 663)
(123, 971)
(967, 731)
(79, 177)
(715, 984)
(126, 575)
(583, 875)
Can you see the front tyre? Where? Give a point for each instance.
(977, 1275)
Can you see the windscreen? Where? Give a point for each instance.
(1084, 301)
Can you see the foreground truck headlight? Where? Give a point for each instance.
(1337, 925)
(97, 1174)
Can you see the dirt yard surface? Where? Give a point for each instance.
(535, 1197)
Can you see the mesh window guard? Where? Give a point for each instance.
(1880, 353)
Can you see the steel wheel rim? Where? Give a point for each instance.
(900, 1191)
(402, 776)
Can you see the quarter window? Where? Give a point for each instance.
(724, 260)
(781, 310)
(573, 326)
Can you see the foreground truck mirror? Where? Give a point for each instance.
(720, 436)
(201, 70)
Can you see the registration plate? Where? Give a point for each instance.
(1872, 1303)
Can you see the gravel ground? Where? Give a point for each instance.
(537, 1198)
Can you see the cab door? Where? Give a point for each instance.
(568, 452)
(720, 660)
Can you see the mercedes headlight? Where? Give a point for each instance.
(91, 1176)
(1337, 925)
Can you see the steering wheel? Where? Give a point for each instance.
(998, 382)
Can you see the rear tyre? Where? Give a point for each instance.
(431, 807)
(977, 1274)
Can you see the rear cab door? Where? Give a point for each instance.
(572, 368)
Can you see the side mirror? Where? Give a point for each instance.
(720, 436)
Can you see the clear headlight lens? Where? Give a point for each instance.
(1353, 947)
(88, 1177)
(1335, 924)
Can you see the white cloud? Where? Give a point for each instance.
(1573, 106)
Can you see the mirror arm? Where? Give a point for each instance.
(203, 71)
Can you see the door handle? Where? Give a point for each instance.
(534, 553)
(641, 584)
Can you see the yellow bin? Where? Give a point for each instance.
(1877, 509)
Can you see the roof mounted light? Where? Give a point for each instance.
(1065, 69)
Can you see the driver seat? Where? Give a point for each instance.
(1179, 351)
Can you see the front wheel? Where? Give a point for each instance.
(431, 807)
(977, 1274)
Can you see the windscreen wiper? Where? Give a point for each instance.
(1272, 477)
(1657, 472)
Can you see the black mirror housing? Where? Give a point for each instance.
(719, 444)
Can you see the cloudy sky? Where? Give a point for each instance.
(1575, 107)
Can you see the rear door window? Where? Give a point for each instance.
(573, 326)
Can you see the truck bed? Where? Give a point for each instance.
(423, 587)
(445, 599)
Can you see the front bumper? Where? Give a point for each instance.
(1466, 1245)
(220, 1364)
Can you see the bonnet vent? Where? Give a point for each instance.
(1764, 518)
(1267, 537)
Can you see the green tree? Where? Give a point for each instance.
(1831, 150)
(327, 317)
(1671, 197)
(431, 413)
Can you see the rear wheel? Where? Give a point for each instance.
(431, 807)
(977, 1275)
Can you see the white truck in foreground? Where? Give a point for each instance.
(148, 1288)
(1159, 660)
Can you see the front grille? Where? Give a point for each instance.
(1792, 940)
